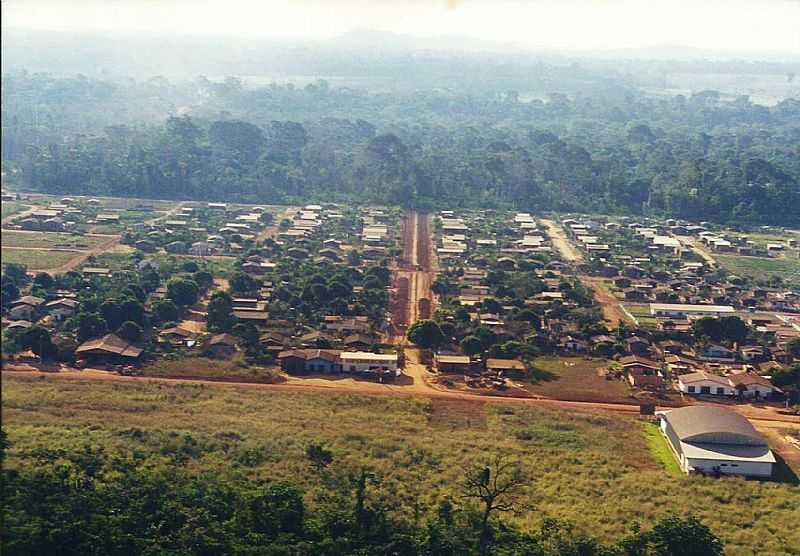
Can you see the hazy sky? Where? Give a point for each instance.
(756, 25)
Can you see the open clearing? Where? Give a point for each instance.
(641, 312)
(577, 378)
(205, 369)
(10, 208)
(762, 267)
(39, 259)
(591, 467)
(51, 240)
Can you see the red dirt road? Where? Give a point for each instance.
(412, 298)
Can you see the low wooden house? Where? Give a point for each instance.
(641, 372)
(222, 346)
(452, 363)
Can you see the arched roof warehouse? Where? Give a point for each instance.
(713, 425)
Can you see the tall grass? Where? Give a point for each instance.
(594, 469)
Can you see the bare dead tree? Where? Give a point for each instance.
(497, 487)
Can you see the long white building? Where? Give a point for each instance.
(682, 311)
(364, 361)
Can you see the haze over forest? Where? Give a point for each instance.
(400, 277)
(554, 106)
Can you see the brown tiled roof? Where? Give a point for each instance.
(748, 379)
(331, 355)
(505, 364)
(110, 343)
(226, 339)
(636, 360)
(178, 331)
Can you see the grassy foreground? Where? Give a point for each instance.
(596, 470)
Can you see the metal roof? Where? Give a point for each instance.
(707, 424)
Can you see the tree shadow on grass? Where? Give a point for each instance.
(538, 375)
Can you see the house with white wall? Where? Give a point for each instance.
(705, 383)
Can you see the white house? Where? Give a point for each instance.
(713, 439)
(364, 361)
(705, 383)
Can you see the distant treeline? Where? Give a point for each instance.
(618, 151)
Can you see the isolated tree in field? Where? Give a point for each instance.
(111, 311)
(165, 311)
(529, 316)
(44, 280)
(319, 456)
(243, 283)
(133, 310)
(204, 279)
(220, 312)
(491, 305)
(183, 292)
(248, 333)
(793, 347)
(497, 488)
(471, 346)
(89, 325)
(731, 329)
(38, 340)
(8, 291)
(17, 272)
(130, 331)
(425, 334)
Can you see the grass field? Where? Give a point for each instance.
(594, 469)
(576, 378)
(203, 368)
(761, 267)
(660, 449)
(10, 207)
(112, 260)
(49, 240)
(761, 239)
(642, 314)
(38, 259)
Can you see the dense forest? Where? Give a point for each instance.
(698, 157)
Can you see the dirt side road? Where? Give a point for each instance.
(406, 387)
(699, 249)
(560, 241)
(609, 304)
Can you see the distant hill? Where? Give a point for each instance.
(376, 59)
(395, 42)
